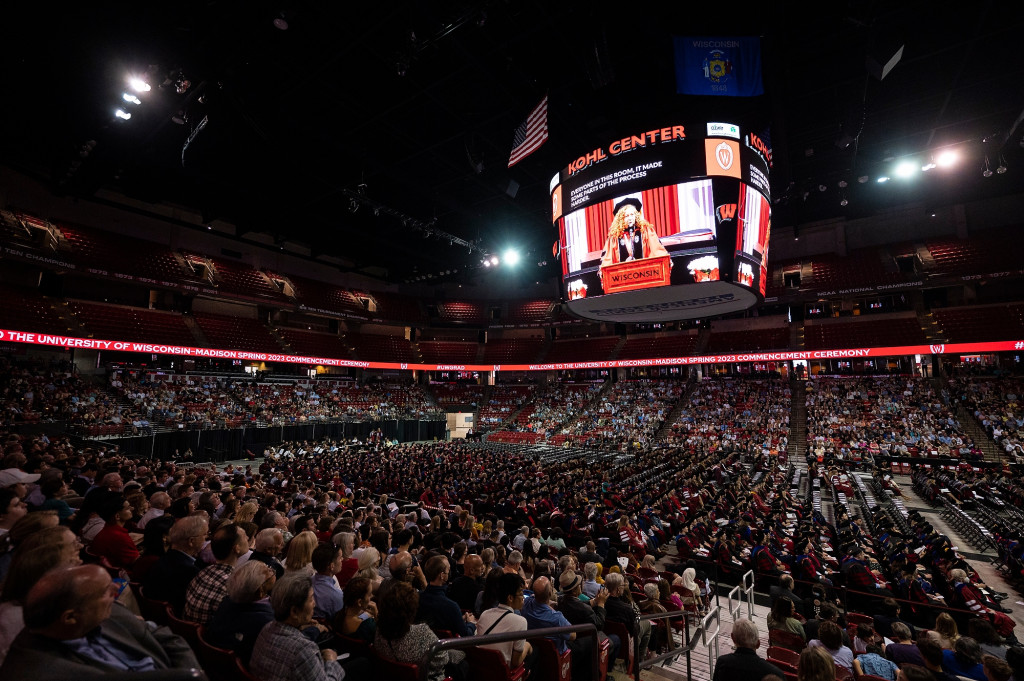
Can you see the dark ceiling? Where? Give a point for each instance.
(405, 111)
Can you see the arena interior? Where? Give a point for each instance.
(278, 402)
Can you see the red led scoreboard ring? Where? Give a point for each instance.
(665, 224)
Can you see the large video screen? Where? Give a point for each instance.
(661, 226)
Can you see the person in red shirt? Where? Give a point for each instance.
(113, 542)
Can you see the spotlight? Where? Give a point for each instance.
(130, 98)
(946, 158)
(511, 257)
(139, 85)
(822, 188)
(987, 172)
(280, 23)
(882, 179)
(124, 116)
(862, 179)
(1002, 165)
(843, 202)
(905, 169)
(487, 263)
(843, 184)
(494, 260)
(927, 166)
(180, 118)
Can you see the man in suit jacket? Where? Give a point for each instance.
(169, 578)
(744, 663)
(73, 627)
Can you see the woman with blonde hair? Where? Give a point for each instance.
(300, 553)
(945, 631)
(369, 561)
(246, 512)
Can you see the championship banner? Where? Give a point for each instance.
(71, 342)
(728, 67)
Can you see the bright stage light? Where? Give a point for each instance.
(511, 257)
(906, 169)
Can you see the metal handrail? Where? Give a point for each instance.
(474, 641)
(689, 643)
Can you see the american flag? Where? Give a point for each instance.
(531, 134)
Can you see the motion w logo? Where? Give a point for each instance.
(938, 349)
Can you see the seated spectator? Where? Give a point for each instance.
(502, 619)
(974, 600)
(902, 650)
(349, 565)
(282, 652)
(53, 547)
(468, 586)
(398, 638)
(299, 557)
(945, 631)
(12, 509)
(158, 504)
(782, 617)
(269, 542)
(578, 612)
(785, 588)
(369, 562)
(242, 615)
(621, 608)
(996, 669)
(53, 488)
(154, 545)
(744, 663)
(168, 580)
(209, 587)
(815, 664)
(590, 585)
(830, 637)
(329, 597)
(982, 631)
(540, 615)
(890, 615)
(114, 542)
(25, 527)
(931, 653)
(68, 603)
(435, 608)
(358, 618)
(872, 662)
(827, 613)
(964, 660)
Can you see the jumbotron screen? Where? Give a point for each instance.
(670, 223)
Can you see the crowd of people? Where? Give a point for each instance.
(325, 545)
(996, 404)
(852, 418)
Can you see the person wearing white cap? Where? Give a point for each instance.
(15, 477)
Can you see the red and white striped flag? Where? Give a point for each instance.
(531, 134)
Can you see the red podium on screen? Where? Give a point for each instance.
(637, 274)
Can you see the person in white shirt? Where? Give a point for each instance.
(502, 619)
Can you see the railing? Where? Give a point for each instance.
(475, 641)
(701, 637)
(746, 595)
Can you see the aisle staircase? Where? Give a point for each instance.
(797, 449)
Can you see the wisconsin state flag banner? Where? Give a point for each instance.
(729, 67)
